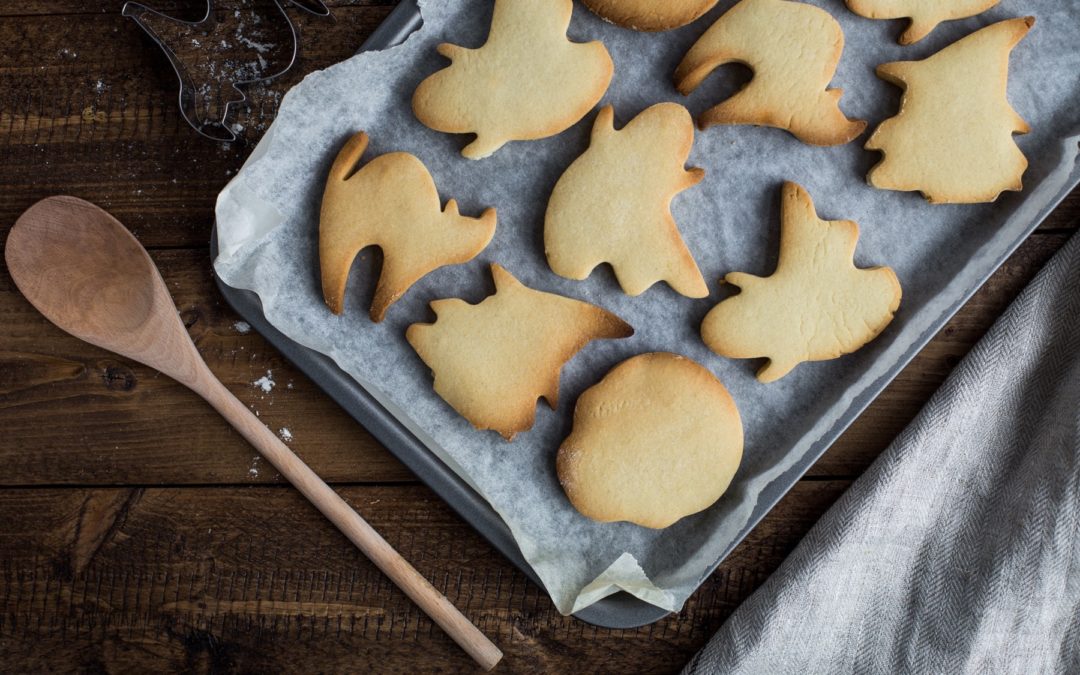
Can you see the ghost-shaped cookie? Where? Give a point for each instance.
(528, 81)
(816, 306)
(613, 204)
(925, 15)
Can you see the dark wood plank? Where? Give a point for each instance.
(189, 10)
(253, 580)
(76, 414)
(250, 578)
(88, 107)
(81, 415)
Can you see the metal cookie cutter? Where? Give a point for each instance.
(215, 56)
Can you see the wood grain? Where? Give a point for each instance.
(122, 405)
(107, 571)
(190, 10)
(88, 275)
(200, 578)
(95, 87)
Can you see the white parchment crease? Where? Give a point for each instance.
(267, 220)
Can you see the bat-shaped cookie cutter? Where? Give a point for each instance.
(217, 129)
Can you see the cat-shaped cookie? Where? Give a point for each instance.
(391, 202)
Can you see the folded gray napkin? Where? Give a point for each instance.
(958, 551)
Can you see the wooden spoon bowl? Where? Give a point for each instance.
(87, 273)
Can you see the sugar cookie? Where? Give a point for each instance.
(953, 137)
(816, 306)
(650, 15)
(392, 203)
(659, 438)
(793, 49)
(925, 15)
(613, 204)
(493, 360)
(528, 81)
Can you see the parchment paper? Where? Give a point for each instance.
(268, 221)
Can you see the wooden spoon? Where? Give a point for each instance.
(87, 274)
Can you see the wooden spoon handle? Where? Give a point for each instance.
(359, 532)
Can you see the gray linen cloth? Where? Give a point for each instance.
(958, 551)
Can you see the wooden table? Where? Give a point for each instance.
(138, 532)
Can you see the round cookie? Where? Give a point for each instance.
(650, 15)
(659, 438)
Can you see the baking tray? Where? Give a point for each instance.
(620, 610)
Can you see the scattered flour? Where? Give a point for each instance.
(242, 327)
(285, 434)
(260, 47)
(266, 383)
(254, 470)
